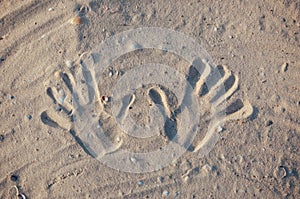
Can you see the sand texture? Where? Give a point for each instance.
(251, 151)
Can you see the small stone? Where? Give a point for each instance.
(277, 98)
(1, 138)
(118, 139)
(59, 109)
(160, 179)
(50, 9)
(141, 182)
(164, 51)
(256, 173)
(57, 74)
(120, 193)
(165, 193)
(29, 117)
(110, 74)
(269, 123)
(61, 96)
(14, 177)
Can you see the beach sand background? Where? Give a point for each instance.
(256, 157)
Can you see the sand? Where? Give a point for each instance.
(42, 45)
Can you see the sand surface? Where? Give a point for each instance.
(42, 44)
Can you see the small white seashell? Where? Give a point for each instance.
(280, 172)
(19, 195)
(220, 129)
(132, 159)
(104, 99)
(186, 178)
(284, 67)
(69, 63)
(165, 193)
(207, 168)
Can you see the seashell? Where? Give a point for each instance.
(186, 178)
(219, 129)
(280, 172)
(69, 63)
(284, 67)
(76, 20)
(165, 193)
(132, 159)
(19, 195)
(104, 99)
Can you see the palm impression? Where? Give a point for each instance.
(130, 117)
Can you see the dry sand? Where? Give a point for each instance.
(257, 157)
